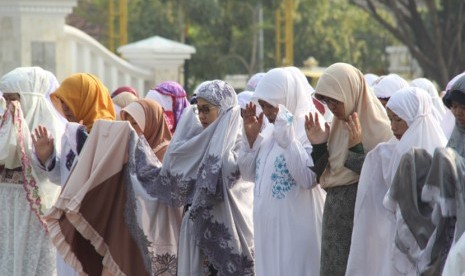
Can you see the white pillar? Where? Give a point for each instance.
(31, 31)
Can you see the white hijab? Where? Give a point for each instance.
(164, 100)
(371, 218)
(244, 98)
(414, 106)
(386, 86)
(439, 109)
(370, 78)
(288, 87)
(33, 84)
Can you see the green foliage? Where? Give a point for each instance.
(148, 18)
(334, 31)
(223, 32)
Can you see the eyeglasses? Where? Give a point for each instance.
(327, 101)
(204, 109)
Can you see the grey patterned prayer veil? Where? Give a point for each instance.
(200, 169)
(218, 93)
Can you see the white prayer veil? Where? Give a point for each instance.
(427, 85)
(386, 86)
(414, 106)
(33, 84)
(370, 78)
(253, 81)
(288, 87)
(244, 98)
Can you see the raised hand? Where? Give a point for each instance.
(42, 143)
(315, 134)
(355, 130)
(252, 123)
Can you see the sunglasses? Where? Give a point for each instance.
(327, 101)
(204, 109)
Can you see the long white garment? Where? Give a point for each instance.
(25, 193)
(372, 249)
(288, 202)
(33, 84)
(413, 105)
(287, 210)
(374, 226)
(31, 251)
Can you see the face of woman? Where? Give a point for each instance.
(383, 101)
(207, 112)
(269, 110)
(459, 113)
(64, 110)
(398, 126)
(127, 117)
(336, 107)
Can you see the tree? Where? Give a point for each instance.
(91, 17)
(335, 31)
(224, 32)
(433, 31)
(148, 18)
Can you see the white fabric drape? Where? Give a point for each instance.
(288, 202)
(372, 249)
(414, 105)
(33, 84)
(439, 109)
(31, 251)
(374, 227)
(386, 86)
(25, 247)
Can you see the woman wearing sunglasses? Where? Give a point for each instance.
(200, 172)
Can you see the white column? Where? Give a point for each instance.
(32, 31)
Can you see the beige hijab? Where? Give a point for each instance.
(346, 84)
